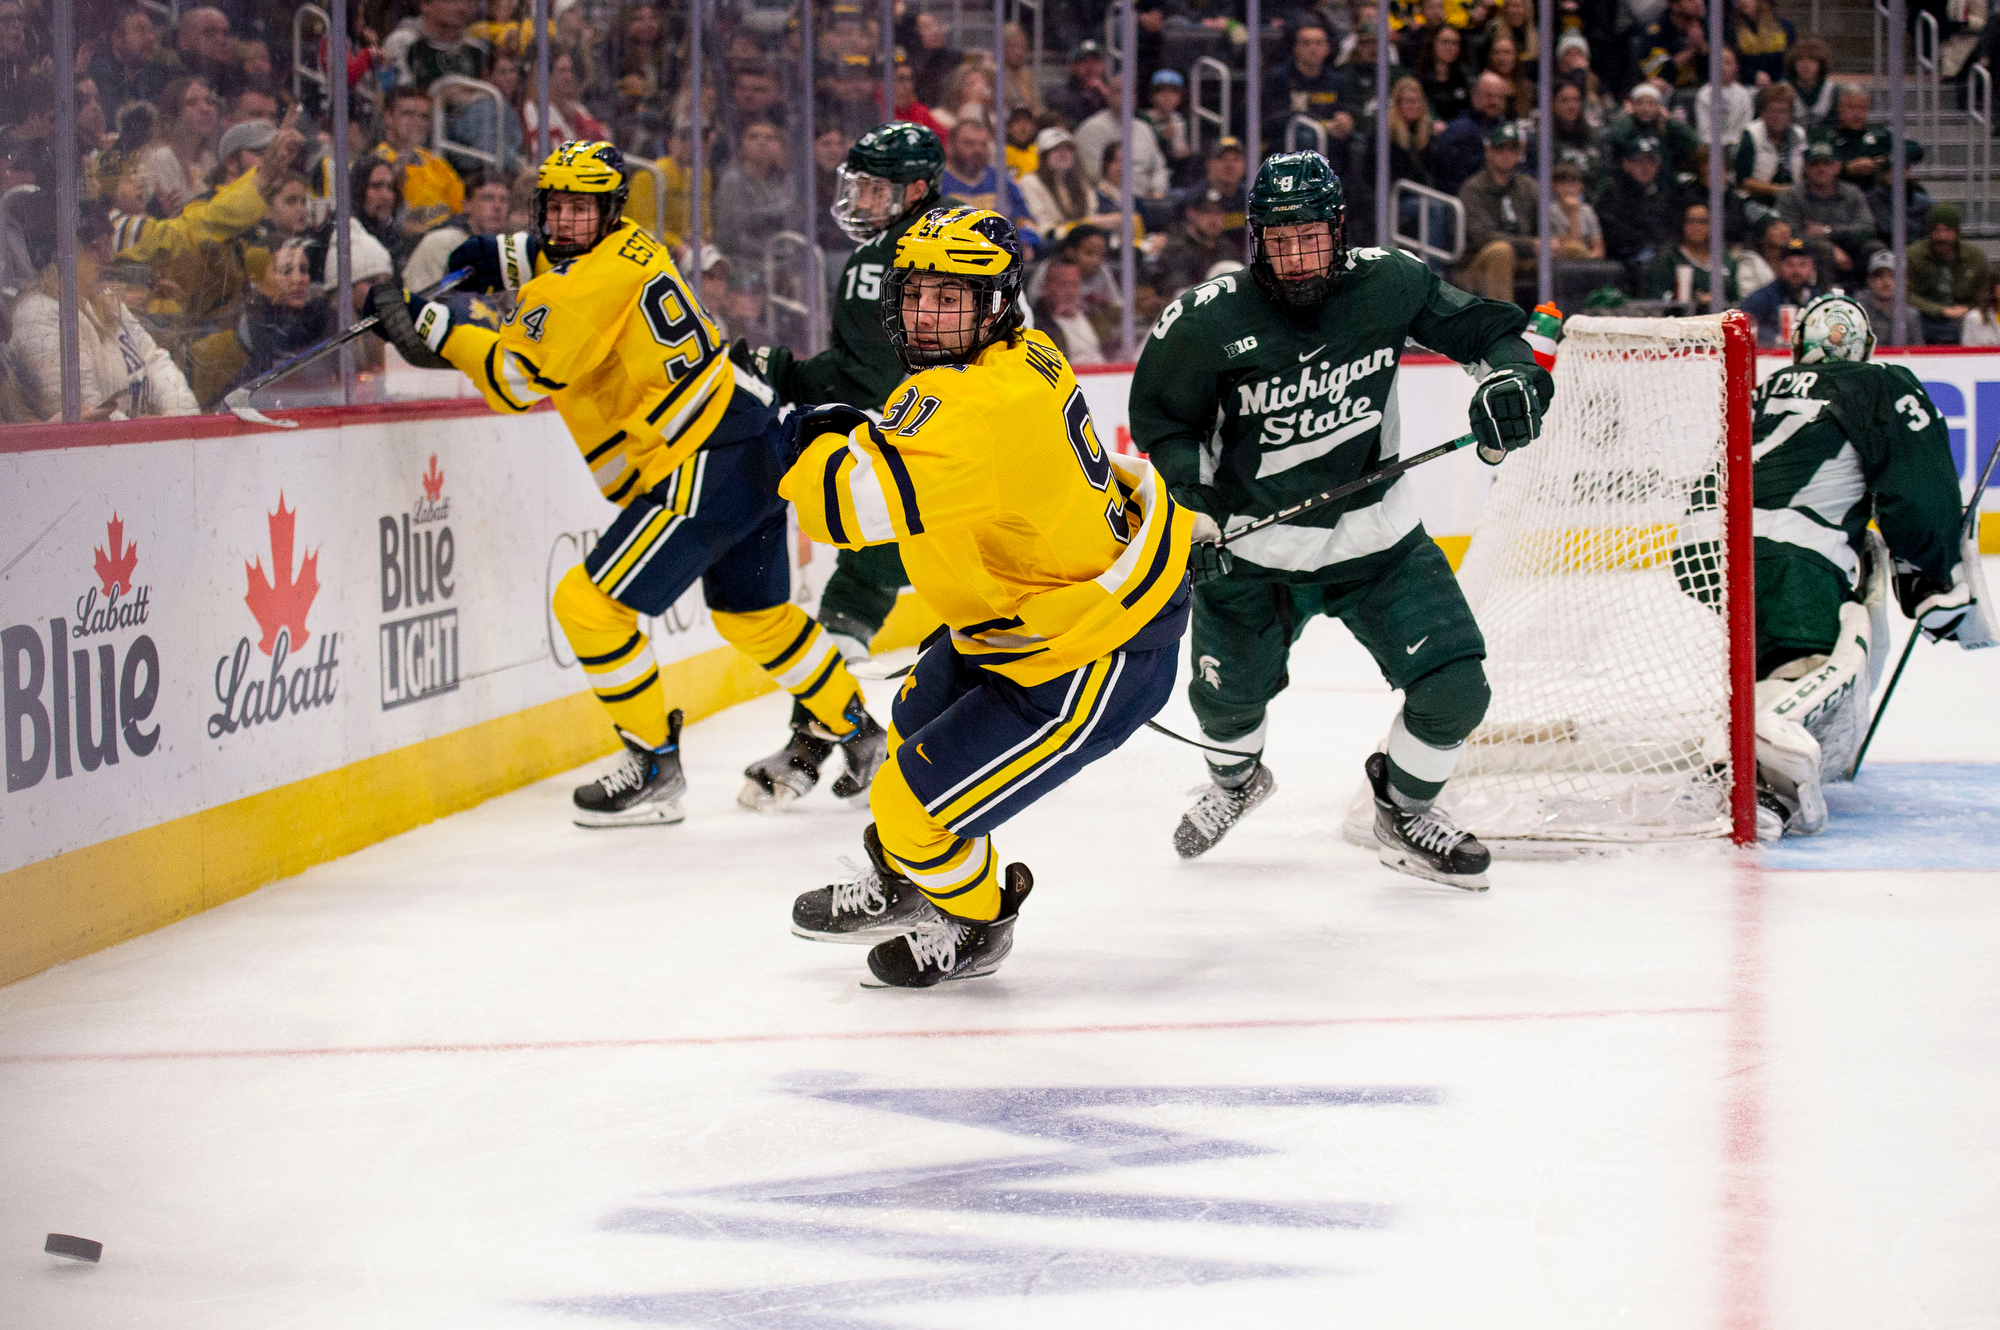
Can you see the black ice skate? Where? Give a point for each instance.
(1425, 843)
(1218, 810)
(943, 947)
(643, 790)
(790, 773)
(879, 903)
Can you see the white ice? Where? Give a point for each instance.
(502, 1072)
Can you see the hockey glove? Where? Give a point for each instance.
(1207, 561)
(772, 364)
(800, 428)
(1939, 614)
(498, 263)
(417, 331)
(1506, 414)
(1198, 498)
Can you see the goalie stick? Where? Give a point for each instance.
(238, 401)
(1967, 527)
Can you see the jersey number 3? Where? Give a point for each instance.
(1091, 456)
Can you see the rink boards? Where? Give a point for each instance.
(227, 653)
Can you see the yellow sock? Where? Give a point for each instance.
(615, 655)
(958, 874)
(793, 649)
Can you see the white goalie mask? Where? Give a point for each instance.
(1832, 327)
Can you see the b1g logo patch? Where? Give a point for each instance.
(1235, 349)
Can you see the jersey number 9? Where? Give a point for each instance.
(676, 323)
(1091, 457)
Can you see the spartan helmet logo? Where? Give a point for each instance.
(1284, 184)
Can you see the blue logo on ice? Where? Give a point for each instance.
(1086, 1137)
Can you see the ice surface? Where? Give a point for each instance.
(502, 1072)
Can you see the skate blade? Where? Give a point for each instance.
(884, 664)
(867, 937)
(760, 800)
(1417, 868)
(872, 982)
(654, 814)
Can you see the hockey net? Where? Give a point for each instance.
(1611, 575)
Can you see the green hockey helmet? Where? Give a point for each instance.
(1295, 189)
(1833, 327)
(872, 181)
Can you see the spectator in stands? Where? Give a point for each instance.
(242, 147)
(1981, 325)
(853, 97)
(1573, 66)
(716, 272)
(429, 182)
(1636, 207)
(1760, 40)
(1573, 226)
(569, 118)
(207, 51)
(1863, 151)
(1500, 218)
(1793, 287)
(910, 109)
(635, 64)
(1020, 77)
(1441, 69)
(1307, 85)
(1516, 22)
(1149, 164)
(1946, 275)
(256, 101)
(375, 194)
(1502, 59)
(485, 215)
(178, 161)
(755, 199)
(1060, 313)
(1663, 277)
(1086, 91)
(677, 168)
(1224, 172)
(1195, 246)
(1089, 249)
(1830, 215)
(1572, 140)
(1674, 49)
(829, 151)
(1646, 117)
(1057, 195)
(1755, 263)
(131, 66)
(1022, 157)
(931, 55)
(1878, 300)
(1164, 97)
(437, 44)
(1807, 69)
(971, 178)
(16, 55)
(1739, 104)
(1357, 70)
(124, 373)
(968, 94)
(1770, 153)
(1410, 127)
(1461, 150)
(282, 317)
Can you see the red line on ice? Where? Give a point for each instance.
(706, 1041)
(1746, 1206)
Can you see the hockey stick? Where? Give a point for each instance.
(238, 401)
(1966, 528)
(1375, 477)
(1233, 752)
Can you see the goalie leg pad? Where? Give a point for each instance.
(1810, 718)
(1981, 625)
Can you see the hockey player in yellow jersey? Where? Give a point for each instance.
(681, 439)
(1059, 569)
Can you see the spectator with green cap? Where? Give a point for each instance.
(1946, 275)
(1646, 118)
(1635, 207)
(1501, 210)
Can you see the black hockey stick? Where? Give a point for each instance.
(1967, 526)
(238, 401)
(1233, 752)
(1375, 477)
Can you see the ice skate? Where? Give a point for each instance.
(942, 947)
(863, 750)
(1424, 843)
(789, 774)
(878, 903)
(644, 789)
(1218, 810)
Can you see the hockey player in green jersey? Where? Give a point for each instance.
(1838, 441)
(889, 180)
(1251, 395)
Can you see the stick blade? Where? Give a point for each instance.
(75, 1249)
(239, 406)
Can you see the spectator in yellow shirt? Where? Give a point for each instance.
(431, 189)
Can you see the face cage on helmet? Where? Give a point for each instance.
(1299, 292)
(1822, 351)
(610, 206)
(846, 210)
(993, 313)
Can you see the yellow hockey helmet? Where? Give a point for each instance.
(979, 248)
(580, 166)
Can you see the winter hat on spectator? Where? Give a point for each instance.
(1883, 259)
(1646, 88)
(1643, 146)
(1944, 214)
(250, 136)
(1572, 40)
(1506, 134)
(1052, 138)
(1205, 200)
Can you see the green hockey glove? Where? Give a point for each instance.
(1199, 498)
(417, 331)
(772, 364)
(1506, 414)
(1207, 561)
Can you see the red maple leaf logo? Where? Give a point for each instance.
(433, 480)
(115, 569)
(282, 604)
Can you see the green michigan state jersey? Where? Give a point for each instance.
(859, 368)
(1839, 442)
(1247, 407)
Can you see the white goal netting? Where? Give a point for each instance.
(1598, 577)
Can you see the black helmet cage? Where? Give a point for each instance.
(996, 307)
(1300, 292)
(610, 207)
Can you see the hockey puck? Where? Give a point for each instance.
(75, 1249)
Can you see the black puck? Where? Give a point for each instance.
(76, 1249)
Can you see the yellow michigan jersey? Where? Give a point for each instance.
(637, 370)
(1041, 549)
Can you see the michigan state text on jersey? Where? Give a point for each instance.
(674, 432)
(1257, 390)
